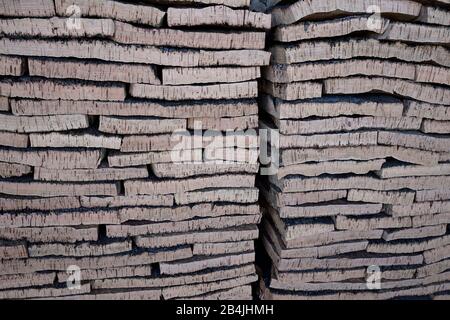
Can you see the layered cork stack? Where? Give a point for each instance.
(99, 170)
(360, 206)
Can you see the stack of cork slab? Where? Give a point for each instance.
(362, 105)
(99, 168)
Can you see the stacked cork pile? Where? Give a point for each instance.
(99, 169)
(362, 105)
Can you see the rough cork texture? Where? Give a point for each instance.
(129, 34)
(101, 167)
(147, 15)
(358, 92)
(130, 149)
(217, 15)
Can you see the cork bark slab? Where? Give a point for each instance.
(60, 264)
(293, 91)
(177, 76)
(137, 159)
(430, 220)
(216, 109)
(110, 51)
(320, 276)
(26, 280)
(321, 251)
(324, 8)
(200, 289)
(411, 170)
(174, 170)
(66, 218)
(212, 249)
(427, 73)
(346, 124)
(339, 69)
(391, 294)
(11, 139)
(217, 15)
(430, 195)
(312, 263)
(11, 250)
(48, 234)
(115, 231)
(183, 213)
(111, 272)
(418, 209)
(51, 159)
(41, 204)
(351, 139)
(4, 104)
(434, 126)
(346, 49)
(240, 90)
(237, 293)
(123, 201)
(410, 32)
(341, 286)
(333, 107)
(247, 195)
(11, 66)
(57, 27)
(345, 223)
(129, 34)
(101, 174)
(55, 90)
(133, 187)
(154, 282)
(332, 237)
(197, 264)
(409, 247)
(365, 183)
(143, 143)
(87, 70)
(61, 140)
(42, 189)
(386, 197)
(229, 3)
(437, 254)
(327, 29)
(24, 8)
(331, 167)
(43, 124)
(296, 156)
(143, 295)
(414, 140)
(414, 233)
(279, 199)
(422, 92)
(224, 124)
(43, 292)
(80, 250)
(140, 126)
(426, 110)
(330, 210)
(8, 170)
(288, 231)
(147, 15)
(231, 235)
(435, 15)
